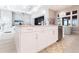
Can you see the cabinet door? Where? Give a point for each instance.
(28, 42)
(43, 39)
(46, 38)
(51, 36)
(17, 39)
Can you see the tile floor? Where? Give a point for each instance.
(54, 48)
(71, 43)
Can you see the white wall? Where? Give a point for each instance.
(27, 19)
(6, 17)
(52, 17)
(41, 12)
(70, 9)
(21, 16)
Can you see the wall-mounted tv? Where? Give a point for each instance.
(39, 20)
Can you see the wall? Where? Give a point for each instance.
(52, 16)
(70, 9)
(40, 12)
(6, 17)
(27, 19)
(21, 16)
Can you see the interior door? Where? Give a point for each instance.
(66, 21)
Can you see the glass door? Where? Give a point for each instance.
(66, 21)
(74, 20)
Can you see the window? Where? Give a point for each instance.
(74, 12)
(66, 21)
(67, 13)
(74, 20)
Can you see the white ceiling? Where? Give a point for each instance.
(32, 8)
(20, 8)
(59, 7)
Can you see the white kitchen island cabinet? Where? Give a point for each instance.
(34, 39)
(30, 42)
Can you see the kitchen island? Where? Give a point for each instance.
(30, 39)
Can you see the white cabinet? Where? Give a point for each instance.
(28, 41)
(46, 37)
(36, 38)
(42, 39)
(51, 36)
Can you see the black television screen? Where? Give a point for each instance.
(39, 20)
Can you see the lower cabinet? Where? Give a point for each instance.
(28, 42)
(43, 39)
(34, 41)
(46, 38)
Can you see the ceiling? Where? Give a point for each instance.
(59, 7)
(32, 8)
(20, 8)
